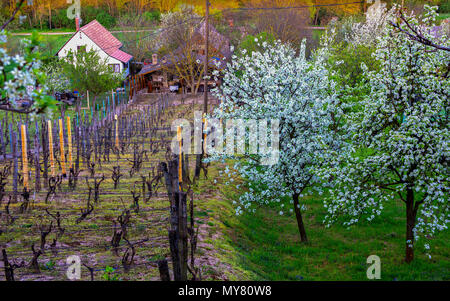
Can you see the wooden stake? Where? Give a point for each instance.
(205, 122)
(87, 94)
(24, 156)
(61, 147)
(117, 131)
(180, 157)
(50, 147)
(69, 141)
(205, 92)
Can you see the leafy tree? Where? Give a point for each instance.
(90, 13)
(277, 84)
(153, 15)
(399, 140)
(88, 72)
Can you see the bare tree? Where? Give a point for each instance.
(137, 41)
(288, 25)
(188, 60)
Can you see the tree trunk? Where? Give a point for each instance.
(410, 223)
(298, 215)
(49, 14)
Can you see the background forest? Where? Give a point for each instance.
(51, 14)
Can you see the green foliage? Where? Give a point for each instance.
(153, 15)
(346, 61)
(250, 42)
(110, 274)
(50, 265)
(444, 6)
(90, 13)
(106, 19)
(87, 71)
(60, 20)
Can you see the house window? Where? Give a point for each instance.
(115, 68)
(81, 48)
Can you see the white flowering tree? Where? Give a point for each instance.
(276, 84)
(367, 32)
(399, 140)
(56, 81)
(22, 83)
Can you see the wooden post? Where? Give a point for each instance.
(117, 131)
(37, 165)
(24, 156)
(129, 89)
(163, 270)
(178, 236)
(87, 94)
(205, 122)
(61, 147)
(205, 92)
(180, 157)
(45, 152)
(16, 163)
(113, 101)
(2, 143)
(50, 147)
(69, 141)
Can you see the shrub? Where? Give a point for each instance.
(153, 15)
(60, 20)
(91, 13)
(444, 7)
(106, 19)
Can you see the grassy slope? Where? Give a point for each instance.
(444, 16)
(50, 43)
(266, 246)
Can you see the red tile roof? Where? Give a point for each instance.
(105, 40)
(120, 55)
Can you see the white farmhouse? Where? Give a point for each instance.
(94, 36)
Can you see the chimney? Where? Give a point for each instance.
(77, 23)
(155, 59)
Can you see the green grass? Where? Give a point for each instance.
(266, 246)
(443, 16)
(45, 30)
(50, 43)
(271, 247)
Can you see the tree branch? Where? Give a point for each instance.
(415, 35)
(19, 5)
